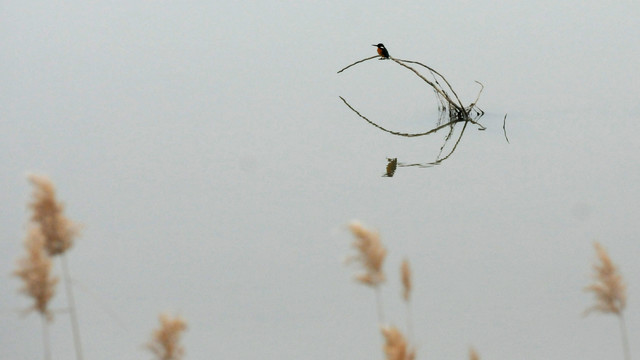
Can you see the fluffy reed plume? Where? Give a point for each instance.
(405, 271)
(48, 213)
(610, 292)
(395, 346)
(370, 255)
(165, 343)
(473, 354)
(608, 286)
(35, 270)
(58, 232)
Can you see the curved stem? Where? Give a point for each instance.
(400, 133)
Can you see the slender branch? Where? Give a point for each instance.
(477, 97)
(504, 123)
(442, 93)
(72, 307)
(436, 129)
(437, 73)
(358, 62)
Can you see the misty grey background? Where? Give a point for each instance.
(205, 150)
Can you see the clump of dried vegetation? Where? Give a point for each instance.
(452, 111)
(165, 340)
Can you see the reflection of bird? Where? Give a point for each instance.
(391, 167)
(382, 51)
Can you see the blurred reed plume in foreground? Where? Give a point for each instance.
(35, 271)
(473, 354)
(609, 289)
(608, 286)
(405, 272)
(48, 213)
(165, 343)
(51, 233)
(370, 255)
(396, 347)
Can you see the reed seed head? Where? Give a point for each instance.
(370, 255)
(473, 354)
(395, 346)
(608, 285)
(35, 271)
(405, 271)
(165, 343)
(48, 214)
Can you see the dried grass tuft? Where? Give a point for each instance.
(35, 271)
(165, 343)
(48, 214)
(608, 286)
(370, 255)
(396, 347)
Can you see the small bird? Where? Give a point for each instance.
(382, 51)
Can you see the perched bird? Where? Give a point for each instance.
(382, 51)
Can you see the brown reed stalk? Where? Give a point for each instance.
(371, 255)
(396, 346)
(47, 213)
(165, 340)
(609, 290)
(39, 283)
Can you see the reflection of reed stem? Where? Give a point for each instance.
(72, 307)
(436, 129)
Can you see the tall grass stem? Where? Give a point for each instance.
(73, 316)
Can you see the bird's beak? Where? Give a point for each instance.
(374, 45)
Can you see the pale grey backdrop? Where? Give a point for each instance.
(204, 148)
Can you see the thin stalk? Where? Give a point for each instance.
(625, 340)
(409, 322)
(72, 307)
(379, 305)
(45, 338)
